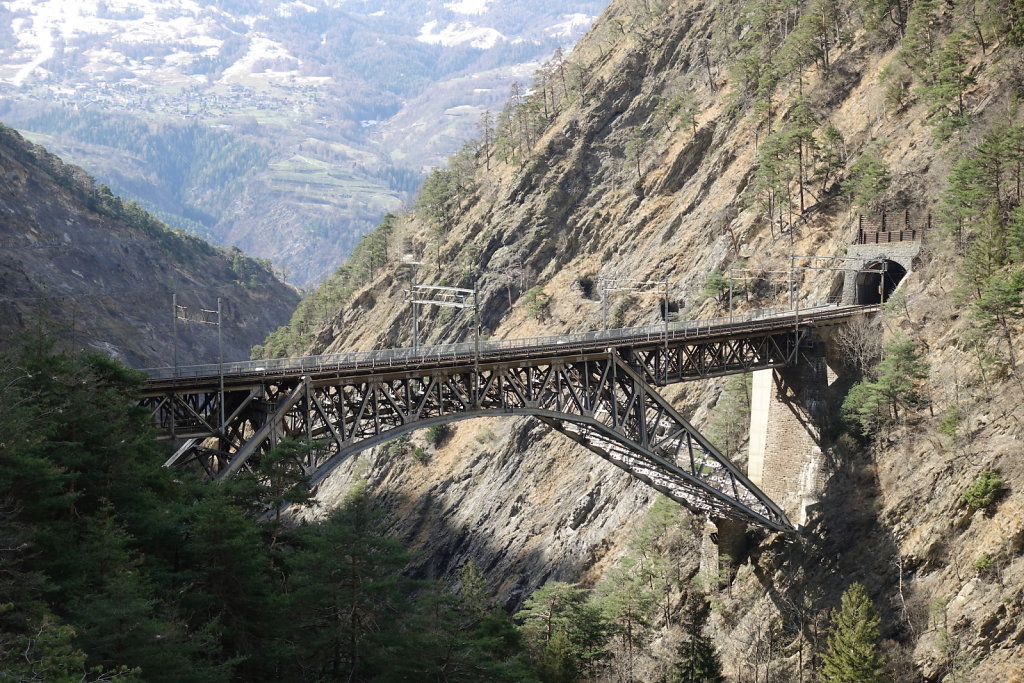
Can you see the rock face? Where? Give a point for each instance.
(78, 264)
(540, 231)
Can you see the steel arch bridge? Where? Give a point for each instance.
(597, 388)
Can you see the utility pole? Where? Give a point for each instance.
(665, 304)
(205, 320)
(604, 303)
(415, 304)
(451, 297)
(174, 328)
(792, 265)
(415, 315)
(476, 338)
(730, 293)
(220, 363)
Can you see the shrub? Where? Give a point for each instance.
(438, 434)
(618, 314)
(484, 435)
(950, 422)
(984, 491)
(397, 447)
(716, 286)
(536, 302)
(870, 404)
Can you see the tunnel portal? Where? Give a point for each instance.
(877, 281)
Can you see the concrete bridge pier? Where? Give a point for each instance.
(787, 412)
(723, 549)
(788, 409)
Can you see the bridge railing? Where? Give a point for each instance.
(405, 356)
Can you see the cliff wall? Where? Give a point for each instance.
(612, 187)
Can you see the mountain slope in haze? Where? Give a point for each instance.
(287, 129)
(690, 139)
(94, 271)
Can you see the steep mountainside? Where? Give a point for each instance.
(684, 139)
(78, 263)
(285, 128)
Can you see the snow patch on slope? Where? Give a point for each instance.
(291, 8)
(260, 48)
(477, 7)
(459, 34)
(571, 25)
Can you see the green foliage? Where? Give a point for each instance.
(249, 272)
(327, 301)
(921, 38)
(438, 434)
(869, 179)
(896, 80)
(49, 654)
(563, 633)
(944, 91)
(103, 201)
(771, 179)
(536, 302)
(716, 285)
(698, 661)
(886, 17)
(984, 491)
(983, 565)
(201, 168)
(831, 159)
(634, 151)
(949, 425)
(570, 632)
(852, 655)
(347, 593)
(624, 304)
(627, 599)
(117, 568)
(982, 209)
(680, 108)
(397, 447)
(872, 403)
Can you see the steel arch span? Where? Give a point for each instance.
(598, 400)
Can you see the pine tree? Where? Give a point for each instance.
(698, 660)
(564, 634)
(852, 655)
(869, 179)
(347, 594)
(628, 600)
(947, 86)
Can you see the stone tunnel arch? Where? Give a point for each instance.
(877, 281)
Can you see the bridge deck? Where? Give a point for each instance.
(762, 322)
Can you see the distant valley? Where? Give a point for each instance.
(285, 128)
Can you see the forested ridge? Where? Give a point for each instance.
(113, 567)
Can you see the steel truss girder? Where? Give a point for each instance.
(685, 361)
(600, 401)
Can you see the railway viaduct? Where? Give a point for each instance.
(598, 388)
